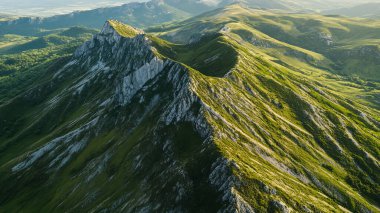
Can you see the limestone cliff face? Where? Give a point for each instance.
(123, 127)
(138, 105)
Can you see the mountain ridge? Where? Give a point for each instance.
(131, 122)
(138, 14)
(123, 96)
(164, 116)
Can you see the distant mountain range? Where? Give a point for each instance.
(137, 14)
(155, 12)
(212, 107)
(235, 110)
(55, 7)
(369, 10)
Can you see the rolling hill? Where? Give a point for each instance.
(368, 10)
(341, 45)
(233, 110)
(23, 59)
(154, 12)
(195, 7)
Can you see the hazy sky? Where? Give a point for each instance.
(51, 7)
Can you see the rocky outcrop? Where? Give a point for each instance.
(127, 129)
(136, 84)
(326, 38)
(226, 183)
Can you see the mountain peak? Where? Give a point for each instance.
(112, 33)
(122, 29)
(235, 110)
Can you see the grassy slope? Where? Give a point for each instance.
(293, 41)
(298, 131)
(285, 123)
(262, 109)
(343, 41)
(131, 140)
(9, 41)
(22, 63)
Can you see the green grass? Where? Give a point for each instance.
(123, 29)
(212, 55)
(9, 41)
(290, 137)
(22, 63)
(291, 33)
(275, 107)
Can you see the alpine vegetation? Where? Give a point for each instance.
(234, 110)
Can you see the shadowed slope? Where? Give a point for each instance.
(135, 123)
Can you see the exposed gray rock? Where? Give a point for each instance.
(326, 38)
(222, 178)
(276, 205)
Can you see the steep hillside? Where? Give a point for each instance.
(131, 93)
(132, 122)
(344, 46)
